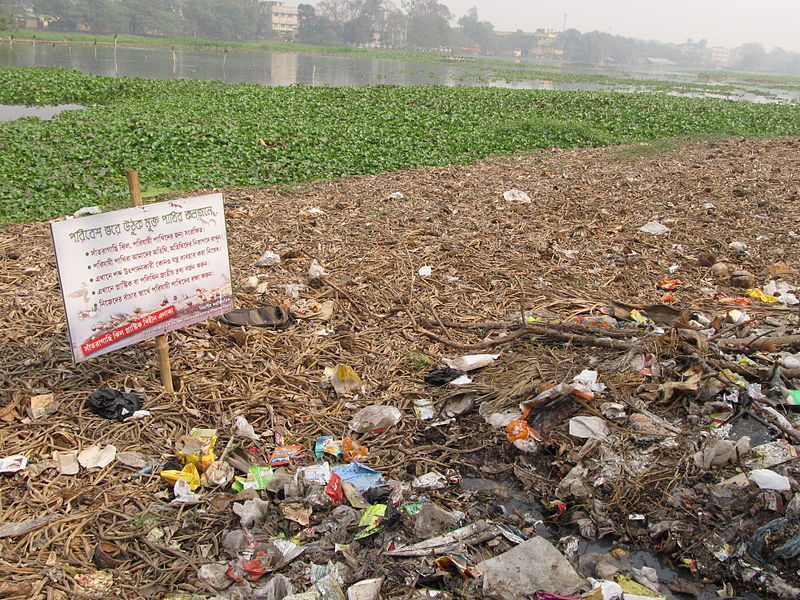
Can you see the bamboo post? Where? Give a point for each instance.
(133, 187)
(161, 340)
(162, 345)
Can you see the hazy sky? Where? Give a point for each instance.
(721, 22)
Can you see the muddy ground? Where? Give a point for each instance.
(495, 265)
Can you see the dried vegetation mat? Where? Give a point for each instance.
(507, 276)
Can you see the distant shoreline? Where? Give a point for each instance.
(132, 41)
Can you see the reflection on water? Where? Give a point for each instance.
(234, 66)
(286, 68)
(239, 66)
(9, 112)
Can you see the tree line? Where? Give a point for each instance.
(234, 20)
(414, 24)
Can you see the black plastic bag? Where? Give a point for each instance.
(442, 376)
(113, 404)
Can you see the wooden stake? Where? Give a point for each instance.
(163, 362)
(133, 186)
(161, 340)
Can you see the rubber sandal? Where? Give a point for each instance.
(266, 316)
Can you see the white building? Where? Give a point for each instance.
(281, 19)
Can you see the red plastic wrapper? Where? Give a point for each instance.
(335, 489)
(670, 284)
(560, 508)
(252, 569)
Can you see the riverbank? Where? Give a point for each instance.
(479, 70)
(22, 35)
(184, 134)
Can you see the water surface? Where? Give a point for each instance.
(287, 68)
(11, 112)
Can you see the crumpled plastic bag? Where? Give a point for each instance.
(268, 259)
(655, 228)
(430, 481)
(788, 551)
(584, 384)
(244, 428)
(767, 479)
(218, 473)
(214, 574)
(375, 418)
(574, 483)
(606, 590)
(277, 588)
(515, 195)
(721, 452)
(316, 270)
(183, 493)
(113, 404)
(757, 294)
(343, 378)
(266, 557)
(471, 362)
(251, 511)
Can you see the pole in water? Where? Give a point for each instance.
(162, 346)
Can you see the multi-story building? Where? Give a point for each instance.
(281, 19)
(30, 20)
(546, 45)
(720, 56)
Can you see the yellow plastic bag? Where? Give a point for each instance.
(189, 474)
(757, 294)
(632, 588)
(197, 448)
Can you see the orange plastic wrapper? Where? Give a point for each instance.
(724, 298)
(517, 430)
(352, 450)
(668, 298)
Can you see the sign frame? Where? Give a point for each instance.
(152, 269)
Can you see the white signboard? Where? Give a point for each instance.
(130, 275)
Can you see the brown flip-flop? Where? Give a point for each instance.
(266, 316)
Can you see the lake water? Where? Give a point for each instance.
(234, 66)
(10, 112)
(286, 68)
